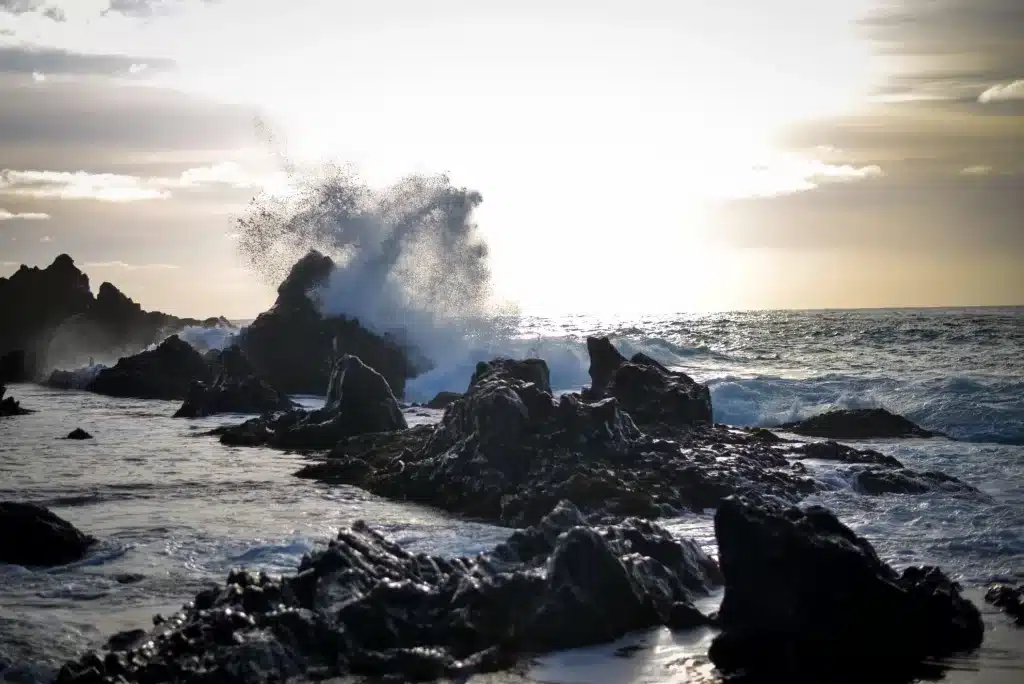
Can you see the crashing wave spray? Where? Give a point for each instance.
(410, 260)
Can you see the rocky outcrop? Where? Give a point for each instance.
(842, 453)
(366, 606)
(293, 347)
(806, 599)
(162, 373)
(858, 424)
(443, 400)
(507, 451)
(653, 395)
(1009, 599)
(876, 481)
(9, 406)
(13, 367)
(359, 401)
(235, 389)
(78, 433)
(33, 536)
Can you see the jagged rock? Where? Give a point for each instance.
(858, 424)
(78, 433)
(834, 451)
(162, 373)
(803, 593)
(507, 451)
(1009, 599)
(366, 606)
(9, 406)
(33, 536)
(293, 347)
(442, 400)
(877, 481)
(235, 389)
(653, 395)
(359, 401)
(13, 367)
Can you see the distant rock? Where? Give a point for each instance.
(834, 451)
(9, 406)
(858, 424)
(442, 400)
(31, 535)
(806, 599)
(652, 394)
(365, 606)
(78, 433)
(162, 373)
(877, 481)
(1009, 599)
(293, 347)
(359, 401)
(235, 390)
(13, 367)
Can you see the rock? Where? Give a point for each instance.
(13, 367)
(365, 606)
(834, 451)
(359, 401)
(653, 395)
(442, 400)
(877, 481)
(78, 433)
(293, 347)
(31, 535)
(162, 373)
(1009, 599)
(806, 599)
(507, 452)
(858, 424)
(9, 406)
(235, 390)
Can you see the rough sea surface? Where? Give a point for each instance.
(174, 510)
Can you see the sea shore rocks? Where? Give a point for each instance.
(806, 599)
(78, 433)
(33, 536)
(165, 372)
(1009, 599)
(236, 389)
(875, 423)
(366, 606)
(9, 406)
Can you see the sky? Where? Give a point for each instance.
(633, 157)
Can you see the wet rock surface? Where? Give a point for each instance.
(366, 606)
(162, 373)
(31, 535)
(442, 400)
(842, 453)
(877, 481)
(1009, 599)
(803, 593)
(236, 389)
(78, 433)
(9, 406)
(359, 401)
(858, 424)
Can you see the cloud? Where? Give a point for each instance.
(38, 77)
(1003, 92)
(25, 6)
(46, 238)
(977, 170)
(137, 68)
(23, 216)
(20, 59)
(789, 175)
(127, 266)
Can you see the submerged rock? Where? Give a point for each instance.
(359, 401)
(78, 433)
(806, 599)
(33, 536)
(162, 373)
(366, 606)
(1009, 599)
(858, 424)
(9, 406)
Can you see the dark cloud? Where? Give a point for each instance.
(27, 60)
(143, 9)
(23, 6)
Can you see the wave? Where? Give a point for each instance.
(206, 338)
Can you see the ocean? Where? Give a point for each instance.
(175, 510)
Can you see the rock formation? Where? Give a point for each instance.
(162, 373)
(806, 599)
(9, 406)
(858, 424)
(78, 433)
(1009, 599)
(235, 390)
(33, 536)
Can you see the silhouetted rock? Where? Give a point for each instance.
(33, 536)
(162, 373)
(13, 367)
(806, 599)
(858, 424)
(9, 406)
(876, 481)
(653, 395)
(359, 401)
(1009, 599)
(293, 347)
(235, 390)
(78, 433)
(442, 400)
(366, 606)
(834, 451)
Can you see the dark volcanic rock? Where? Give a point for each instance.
(33, 536)
(359, 401)
(507, 451)
(9, 406)
(442, 400)
(876, 481)
(1009, 599)
(78, 433)
(13, 367)
(653, 395)
(858, 424)
(806, 599)
(293, 347)
(162, 373)
(365, 606)
(834, 451)
(235, 389)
